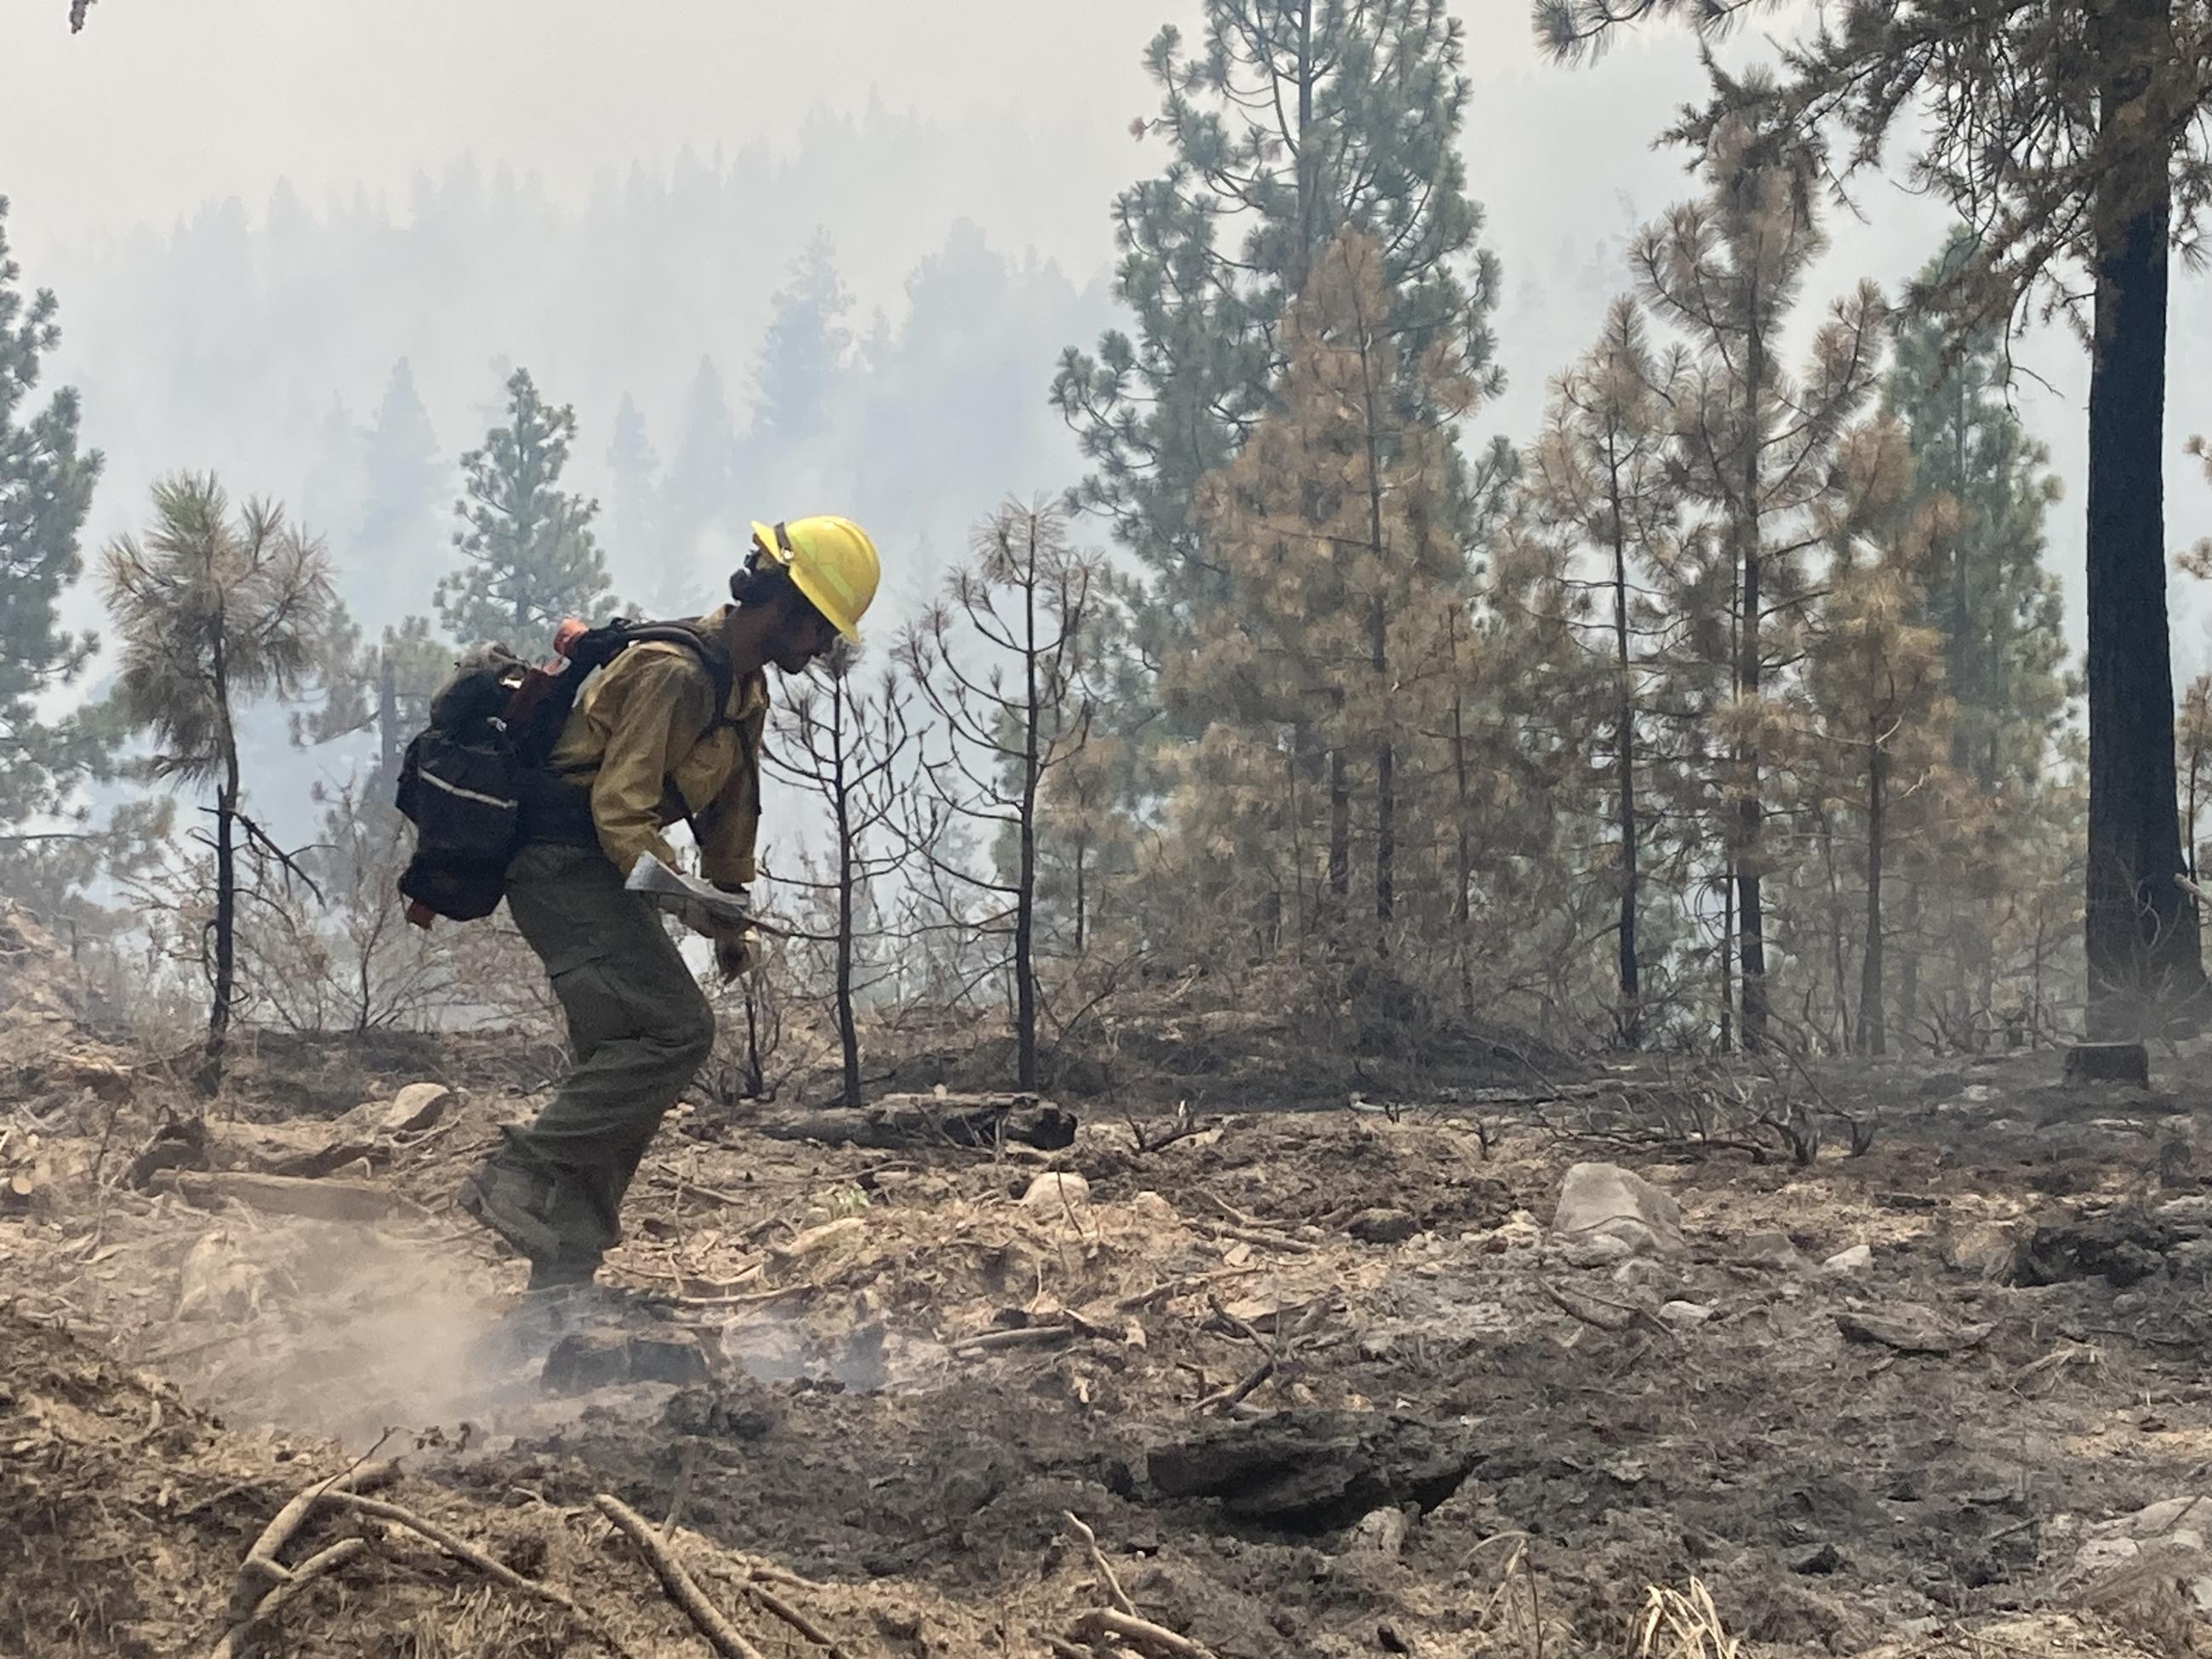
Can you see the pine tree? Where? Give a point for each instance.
(529, 557)
(1600, 475)
(1754, 441)
(1997, 607)
(45, 491)
(404, 483)
(2071, 137)
(636, 466)
(1873, 679)
(1293, 121)
(332, 491)
(806, 345)
(698, 501)
(1334, 530)
(215, 612)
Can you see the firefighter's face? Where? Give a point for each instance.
(806, 634)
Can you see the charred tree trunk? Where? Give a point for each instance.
(1630, 1019)
(1082, 849)
(1908, 964)
(225, 990)
(1873, 1037)
(1462, 850)
(389, 738)
(2141, 927)
(1728, 958)
(1339, 830)
(1751, 921)
(1025, 989)
(848, 1030)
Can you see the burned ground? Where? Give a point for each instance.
(1321, 1384)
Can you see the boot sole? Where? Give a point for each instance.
(532, 1243)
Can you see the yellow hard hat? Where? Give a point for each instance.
(832, 562)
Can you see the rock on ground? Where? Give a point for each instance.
(1603, 1201)
(417, 1106)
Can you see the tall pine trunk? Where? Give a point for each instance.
(2141, 928)
(1751, 921)
(1630, 1019)
(848, 1030)
(226, 880)
(1908, 964)
(389, 737)
(1082, 848)
(1025, 989)
(1873, 1031)
(1463, 845)
(1339, 830)
(1727, 957)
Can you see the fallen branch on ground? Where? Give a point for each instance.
(1265, 1238)
(1022, 1336)
(1610, 1316)
(1098, 1561)
(237, 1638)
(461, 1550)
(721, 1635)
(318, 1199)
(1230, 1398)
(1140, 1633)
(1172, 1288)
(261, 1570)
(1181, 1126)
(746, 1299)
(771, 1602)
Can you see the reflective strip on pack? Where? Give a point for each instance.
(437, 782)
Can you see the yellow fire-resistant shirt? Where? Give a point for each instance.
(638, 736)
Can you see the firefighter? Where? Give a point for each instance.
(645, 747)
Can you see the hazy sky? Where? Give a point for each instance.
(161, 105)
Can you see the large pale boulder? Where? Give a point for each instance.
(1603, 1201)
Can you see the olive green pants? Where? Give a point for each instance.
(638, 1024)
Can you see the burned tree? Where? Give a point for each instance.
(1600, 475)
(1004, 664)
(849, 748)
(2070, 134)
(214, 612)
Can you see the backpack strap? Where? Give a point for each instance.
(693, 639)
(599, 646)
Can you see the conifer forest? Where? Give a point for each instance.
(1492, 949)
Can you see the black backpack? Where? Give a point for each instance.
(467, 777)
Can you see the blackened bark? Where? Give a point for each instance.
(1873, 1038)
(2141, 927)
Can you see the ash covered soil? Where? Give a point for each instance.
(1323, 1383)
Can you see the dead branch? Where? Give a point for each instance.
(1229, 1399)
(1022, 1336)
(261, 1571)
(1140, 1633)
(461, 1550)
(1098, 1561)
(1262, 1236)
(1169, 1289)
(1228, 1212)
(1610, 1316)
(1181, 1126)
(721, 1635)
(237, 1638)
(770, 1602)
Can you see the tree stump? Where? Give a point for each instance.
(2109, 1062)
